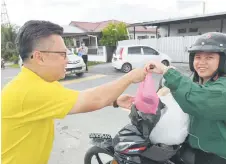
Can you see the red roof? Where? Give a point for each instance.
(99, 26)
(86, 26)
(104, 24)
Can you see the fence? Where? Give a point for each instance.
(97, 54)
(175, 47)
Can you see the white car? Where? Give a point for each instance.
(129, 57)
(75, 64)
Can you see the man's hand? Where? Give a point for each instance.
(156, 67)
(125, 101)
(137, 75)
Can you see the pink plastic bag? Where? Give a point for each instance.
(146, 99)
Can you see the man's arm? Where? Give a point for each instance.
(101, 96)
(86, 50)
(79, 49)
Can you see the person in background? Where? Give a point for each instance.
(2, 63)
(83, 51)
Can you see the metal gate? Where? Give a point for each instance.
(175, 47)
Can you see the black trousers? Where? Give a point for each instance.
(196, 156)
(85, 59)
(208, 158)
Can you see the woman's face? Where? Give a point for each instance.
(206, 64)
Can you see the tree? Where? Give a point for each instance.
(113, 33)
(8, 45)
(68, 42)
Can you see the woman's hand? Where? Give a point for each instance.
(156, 67)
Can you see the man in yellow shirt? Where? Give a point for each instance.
(34, 98)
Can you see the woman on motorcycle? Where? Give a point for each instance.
(204, 97)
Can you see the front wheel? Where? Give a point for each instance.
(126, 67)
(79, 74)
(95, 151)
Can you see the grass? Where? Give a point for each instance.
(14, 66)
(92, 63)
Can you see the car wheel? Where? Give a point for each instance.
(79, 74)
(165, 62)
(126, 67)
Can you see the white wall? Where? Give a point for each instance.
(137, 34)
(203, 27)
(163, 31)
(100, 57)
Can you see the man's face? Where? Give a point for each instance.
(52, 59)
(206, 64)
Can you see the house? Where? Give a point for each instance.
(188, 26)
(90, 32)
(141, 32)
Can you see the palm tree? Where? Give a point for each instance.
(8, 46)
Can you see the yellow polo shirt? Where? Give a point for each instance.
(29, 107)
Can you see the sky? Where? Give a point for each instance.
(131, 11)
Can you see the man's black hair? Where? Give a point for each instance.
(31, 32)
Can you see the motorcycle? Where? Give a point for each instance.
(131, 145)
(128, 153)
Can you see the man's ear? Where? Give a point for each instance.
(38, 57)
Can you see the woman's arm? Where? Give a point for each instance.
(207, 101)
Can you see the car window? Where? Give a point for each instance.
(149, 51)
(134, 50)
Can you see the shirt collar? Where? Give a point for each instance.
(29, 72)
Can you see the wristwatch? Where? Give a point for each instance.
(115, 105)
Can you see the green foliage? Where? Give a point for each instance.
(68, 42)
(113, 33)
(8, 46)
(93, 63)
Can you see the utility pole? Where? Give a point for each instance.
(4, 15)
(191, 3)
(204, 6)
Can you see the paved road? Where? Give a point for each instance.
(71, 134)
